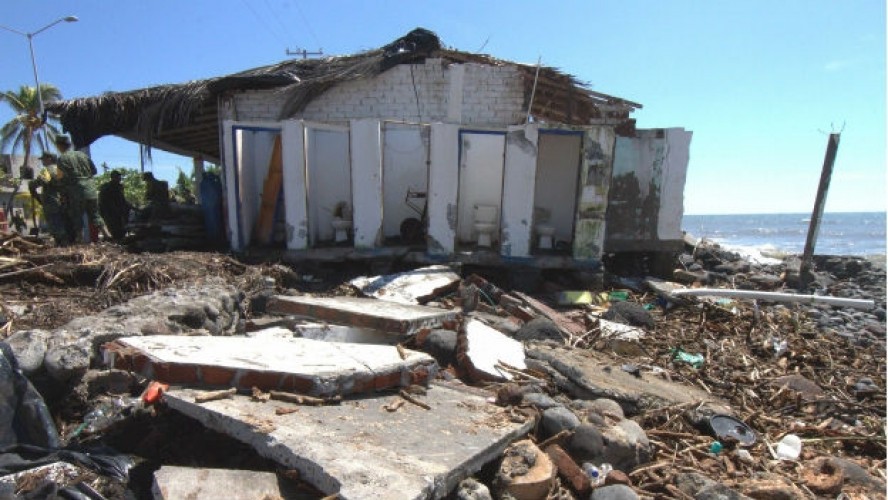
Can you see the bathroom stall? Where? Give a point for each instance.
(328, 180)
(479, 204)
(556, 190)
(405, 181)
(253, 147)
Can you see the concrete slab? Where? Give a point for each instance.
(366, 313)
(61, 473)
(411, 287)
(328, 333)
(302, 365)
(570, 327)
(359, 449)
(591, 375)
(486, 350)
(171, 483)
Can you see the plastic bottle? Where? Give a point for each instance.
(597, 473)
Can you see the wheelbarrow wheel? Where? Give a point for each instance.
(411, 230)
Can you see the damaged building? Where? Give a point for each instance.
(415, 149)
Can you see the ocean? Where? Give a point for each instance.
(851, 233)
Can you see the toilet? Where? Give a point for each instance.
(341, 227)
(485, 223)
(543, 229)
(342, 222)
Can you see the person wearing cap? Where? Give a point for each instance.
(50, 197)
(113, 206)
(77, 171)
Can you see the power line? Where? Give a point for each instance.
(262, 21)
(307, 24)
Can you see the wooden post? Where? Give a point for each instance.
(814, 228)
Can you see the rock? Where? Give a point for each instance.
(109, 382)
(586, 444)
(67, 362)
(823, 477)
(615, 492)
(689, 277)
(617, 477)
(808, 389)
(766, 281)
(540, 400)
(700, 487)
(771, 487)
(526, 472)
(605, 407)
(470, 489)
(856, 475)
(629, 313)
(29, 347)
(557, 419)
(441, 345)
(539, 329)
(626, 445)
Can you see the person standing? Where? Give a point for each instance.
(113, 206)
(77, 171)
(50, 197)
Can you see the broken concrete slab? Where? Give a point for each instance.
(410, 287)
(171, 482)
(570, 327)
(486, 350)
(301, 365)
(362, 451)
(340, 333)
(591, 375)
(379, 315)
(60, 473)
(611, 329)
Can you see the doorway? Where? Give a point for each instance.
(329, 187)
(481, 160)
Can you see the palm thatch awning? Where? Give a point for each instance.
(183, 118)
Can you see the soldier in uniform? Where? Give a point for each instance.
(113, 206)
(51, 199)
(77, 171)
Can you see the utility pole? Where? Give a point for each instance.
(814, 228)
(304, 53)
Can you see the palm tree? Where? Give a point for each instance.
(22, 132)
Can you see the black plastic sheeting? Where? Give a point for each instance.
(29, 438)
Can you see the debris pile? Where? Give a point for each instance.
(428, 383)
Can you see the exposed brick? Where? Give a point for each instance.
(263, 380)
(568, 469)
(215, 375)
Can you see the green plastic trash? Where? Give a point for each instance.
(695, 360)
(618, 295)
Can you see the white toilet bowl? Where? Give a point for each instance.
(341, 227)
(485, 224)
(545, 233)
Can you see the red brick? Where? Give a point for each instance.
(569, 470)
(293, 383)
(214, 375)
(263, 380)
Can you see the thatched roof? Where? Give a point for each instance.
(183, 118)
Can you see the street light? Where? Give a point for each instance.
(30, 37)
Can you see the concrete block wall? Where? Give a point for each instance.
(258, 105)
(490, 95)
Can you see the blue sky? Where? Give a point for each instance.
(760, 83)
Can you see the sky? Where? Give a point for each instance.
(760, 83)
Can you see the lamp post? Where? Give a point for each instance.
(30, 37)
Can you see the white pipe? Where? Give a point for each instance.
(776, 297)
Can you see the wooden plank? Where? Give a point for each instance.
(270, 193)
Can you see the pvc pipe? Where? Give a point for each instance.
(776, 297)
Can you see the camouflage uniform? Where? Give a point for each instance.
(77, 171)
(52, 201)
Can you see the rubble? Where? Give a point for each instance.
(602, 384)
